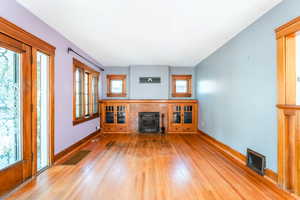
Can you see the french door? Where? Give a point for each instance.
(24, 112)
(15, 113)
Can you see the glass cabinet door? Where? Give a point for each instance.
(176, 114)
(188, 114)
(109, 114)
(121, 114)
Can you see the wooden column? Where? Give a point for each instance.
(288, 111)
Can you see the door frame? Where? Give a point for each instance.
(11, 30)
(287, 111)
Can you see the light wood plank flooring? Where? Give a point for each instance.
(150, 167)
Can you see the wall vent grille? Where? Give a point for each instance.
(256, 161)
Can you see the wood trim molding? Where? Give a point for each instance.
(18, 33)
(79, 121)
(288, 28)
(74, 147)
(187, 78)
(77, 63)
(235, 155)
(148, 101)
(289, 107)
(111, 77)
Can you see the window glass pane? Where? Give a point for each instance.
(10, 112)
(116, 86)
(181, 86)
(42, 110)
(78, 92)
(86, 93)
(95, 94)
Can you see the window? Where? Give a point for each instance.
(181, 85)
(85, 105)
(116, 85)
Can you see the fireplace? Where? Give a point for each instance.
(149, 122)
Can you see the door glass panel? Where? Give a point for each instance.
(109, 114)
(188, 115)
(121, 115)
(177, 115)
(10, 108)
(42, 110)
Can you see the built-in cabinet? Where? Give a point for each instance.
(114, 117)
(121, 116)
(182, 117)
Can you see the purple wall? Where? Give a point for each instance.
(65, 133)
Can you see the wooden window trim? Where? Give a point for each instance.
(111, 77)
(188, 78)
(92, 73)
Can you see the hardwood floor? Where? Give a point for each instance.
(148, 167)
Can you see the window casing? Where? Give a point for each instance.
(181, 85)
(85, 105)
(116, 85)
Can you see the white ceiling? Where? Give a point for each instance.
(149, 32)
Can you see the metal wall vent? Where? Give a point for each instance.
(256, 161)
(149, 80)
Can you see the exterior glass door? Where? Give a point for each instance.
(15, 113)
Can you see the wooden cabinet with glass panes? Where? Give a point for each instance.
(121, 116)
(183, 117)
(114, 117)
